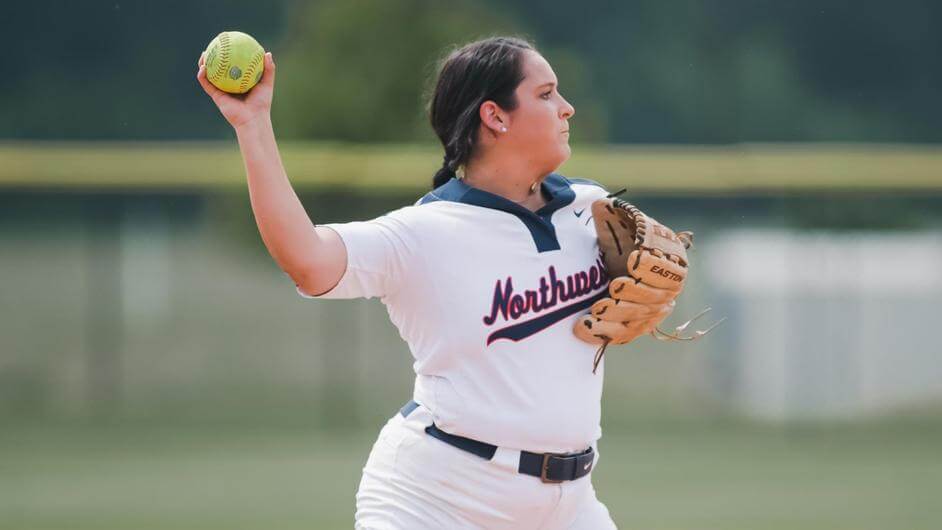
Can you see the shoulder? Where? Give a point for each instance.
(582, 188)
(423, 215)
(452, 191)
(576, 181)
(456, 191)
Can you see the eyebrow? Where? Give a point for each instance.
(551, 83)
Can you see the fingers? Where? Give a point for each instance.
(601, 326)
(583, 330)
(268, 76)
(621, 310)
(659, 316)
(202, 60)
(613, 310)
(628, 332)
(658, 271)
(207, 86)
(596, 331)
(625, 288)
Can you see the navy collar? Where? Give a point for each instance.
(556, 187)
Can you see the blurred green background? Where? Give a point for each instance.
(158, 371)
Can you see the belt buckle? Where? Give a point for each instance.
(545, 467)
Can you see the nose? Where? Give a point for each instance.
(567, 111)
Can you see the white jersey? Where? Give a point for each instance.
(486, 293)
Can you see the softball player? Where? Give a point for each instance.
(484, 277)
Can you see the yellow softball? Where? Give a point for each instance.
(234, 62)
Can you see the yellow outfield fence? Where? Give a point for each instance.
(739, 168)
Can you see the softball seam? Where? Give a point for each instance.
(223, 65)
(249, 72)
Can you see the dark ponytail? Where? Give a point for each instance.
(445, 173)
(486, 70)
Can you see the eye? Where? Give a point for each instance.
(546, 95)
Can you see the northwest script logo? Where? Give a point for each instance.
(552, 292)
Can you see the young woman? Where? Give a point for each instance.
(484, 277)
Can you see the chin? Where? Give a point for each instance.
(557, 158)
(564, 155)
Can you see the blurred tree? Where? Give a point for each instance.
(754, 70)
(640, 71)
(360, 70)
(117, 69)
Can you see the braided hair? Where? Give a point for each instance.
(485, 70)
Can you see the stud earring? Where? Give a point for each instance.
(503, 129)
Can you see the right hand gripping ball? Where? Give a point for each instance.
(234, 62)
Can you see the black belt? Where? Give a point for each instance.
(550, 467)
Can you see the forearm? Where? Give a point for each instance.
(284, 225)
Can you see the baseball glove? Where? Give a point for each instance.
(647, 264)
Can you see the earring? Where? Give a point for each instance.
(503, 129)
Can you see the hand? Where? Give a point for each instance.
(619, 321)
(641, 317)
(632, 309)
(242, 109)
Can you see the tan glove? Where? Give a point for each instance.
(648, 265)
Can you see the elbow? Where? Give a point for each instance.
(307, 282)
(314, 280)
(319, 271)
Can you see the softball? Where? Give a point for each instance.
(234, 62)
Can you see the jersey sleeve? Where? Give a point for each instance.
(379, 256)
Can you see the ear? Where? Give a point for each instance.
(493, 117)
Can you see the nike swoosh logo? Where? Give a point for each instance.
(586, 466)
(579, 213)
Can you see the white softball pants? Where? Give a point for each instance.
(413, 481)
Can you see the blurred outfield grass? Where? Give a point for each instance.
(698, 477)
(676, 169)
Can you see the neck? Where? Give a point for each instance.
(513, 184)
